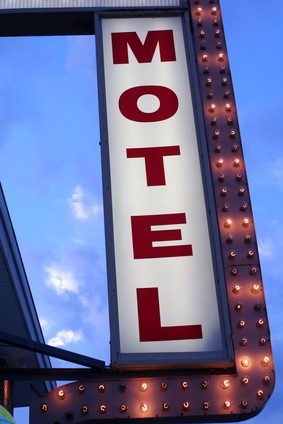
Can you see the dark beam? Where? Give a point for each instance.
(47, 23)
(55, 352)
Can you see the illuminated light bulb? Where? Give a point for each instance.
(101, 388)
(215, 22)
(236, 289)
(232, 134)
(266, 379)
(216, 134)
(255, 288)
(84, 410)
(210, 94)
(236, 163)
(122, 388)
(202, 34)
(230, 120)
(235, 148)
(61, 394)
(230, 238)
(186, 405)
(204, 57)
(263, 342)
(143, 387)
(245, 362)
(218, 148)
(123, 408)
(245, 381)
(204, 384)
(260, 394)
(241, 191)
(220, 57)
(232, 254)
(224, 81)
(244, 206)
(226, 94)
(225, 384)
(213, 121)
(248, 238)
(239, 176)
(253, 270)
(245, 222)
(250, 254)
(221, 177)
(226, 404)
(185, 385)
(165, 406)
(260, 323)
(164, 386)
(238, 307)
(81, 388)
(217, 33)
(219, 163)
(206, 405)
(244, 403)
(228, 107)
(212, 108)
(143, 407)
(228, 223)
(219, 45)
(198, 11)
(244, 342)
(224, 191)
(102, 409)
(214, 10)
(44, 407)
(241, 324)
(226, 207)
(234, 272)
(208, 82)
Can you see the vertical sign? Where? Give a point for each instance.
(165, 293)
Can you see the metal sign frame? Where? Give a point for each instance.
(198, 395)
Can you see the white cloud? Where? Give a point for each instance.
(60, 279)
(45, 324)
(265, 248)
(64, 337)
(81, 205)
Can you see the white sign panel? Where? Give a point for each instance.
(166, 293)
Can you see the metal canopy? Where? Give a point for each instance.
(17, 310)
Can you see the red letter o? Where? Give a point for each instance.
(128, 103)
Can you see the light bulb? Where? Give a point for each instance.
(61, 394)
(143, 387)
(143, 407)
(225, 384)
(245, 362)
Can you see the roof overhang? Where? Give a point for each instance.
(63, 17)
(18, 314)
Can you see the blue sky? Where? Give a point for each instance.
(50, 172)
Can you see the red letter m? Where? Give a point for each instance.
(143, 52)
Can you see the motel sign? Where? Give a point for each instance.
(189, 330)
(166, 299)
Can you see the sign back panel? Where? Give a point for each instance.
(165, 284)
